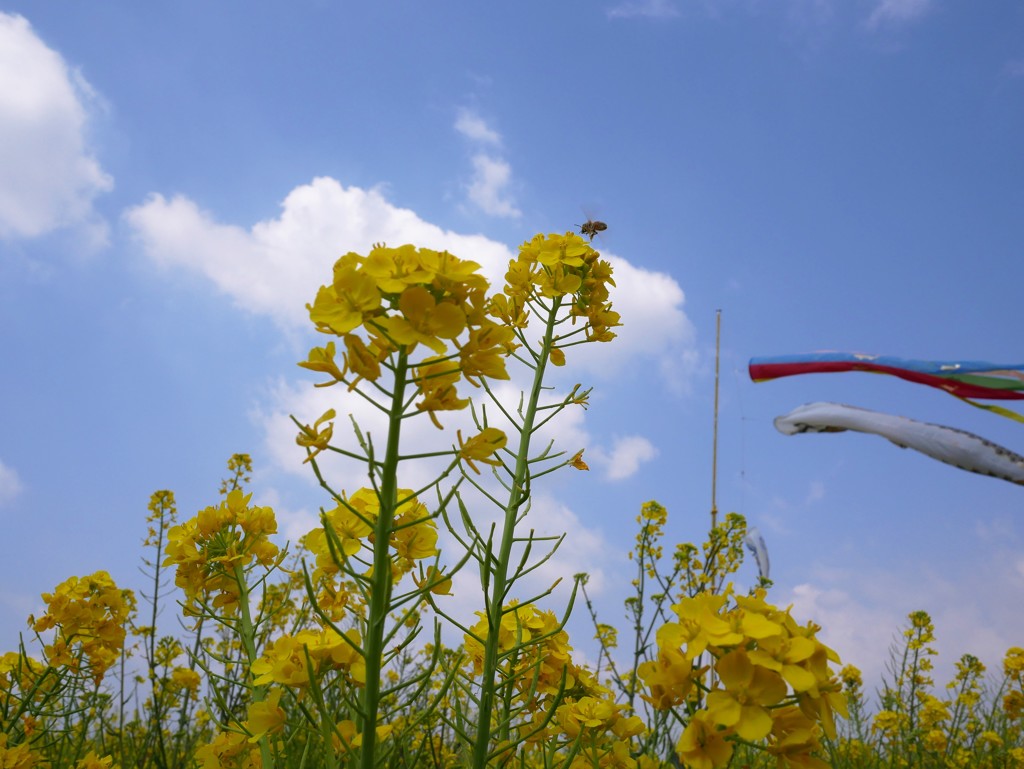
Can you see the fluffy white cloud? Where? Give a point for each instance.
(10, 484)
(475, 128)
(49, 177)
(625, 456)
(275, 267)
(897, 11)
(488, 189)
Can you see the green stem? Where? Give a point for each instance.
(381, 583)
(518, 495)
(158, 696)
(247, 631)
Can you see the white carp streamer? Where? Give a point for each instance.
(947, 444)
(755, 544)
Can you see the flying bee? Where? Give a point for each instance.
(591, 227)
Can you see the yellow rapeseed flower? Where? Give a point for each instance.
(423, 320)
(92, 761)
(364, 360)
(266, 717)
(347, 302)
(749, 691)
(90, 614)
(887, 722)
(17, 756)
(482, 447)
(395, 269)
(185, 678)
(229, 750)
(509, 310)
(208, 547)
(586, 713)
(1013, 663)
(435, 581)
(414, 536)
(485, 351)
(315, 439)
(322, 359)
(669, 678)
(934, 740)
(436, 381)
(794, 739)
(703, 745)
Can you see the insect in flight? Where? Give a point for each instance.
(592, 227)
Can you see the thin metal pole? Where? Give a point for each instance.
(714, 444)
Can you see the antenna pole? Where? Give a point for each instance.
(714, 440)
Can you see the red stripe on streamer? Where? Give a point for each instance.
(761, 372)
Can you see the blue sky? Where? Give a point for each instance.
(179, 178)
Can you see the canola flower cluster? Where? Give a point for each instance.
(771, 680)
(731, 678)
(210, 549)
(89, 615)
(394, 299)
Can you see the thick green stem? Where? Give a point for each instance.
(381, 581)
(499, 571)
(248, 635)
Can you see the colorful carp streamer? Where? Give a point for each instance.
(946, 444)
(964, 379)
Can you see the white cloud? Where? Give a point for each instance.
(475, 128)
(897, 12)
(583, 550)
(50, 177)
(275, 267)
(488, 189)
(625, 457)
(654, 9)
(10, 484)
